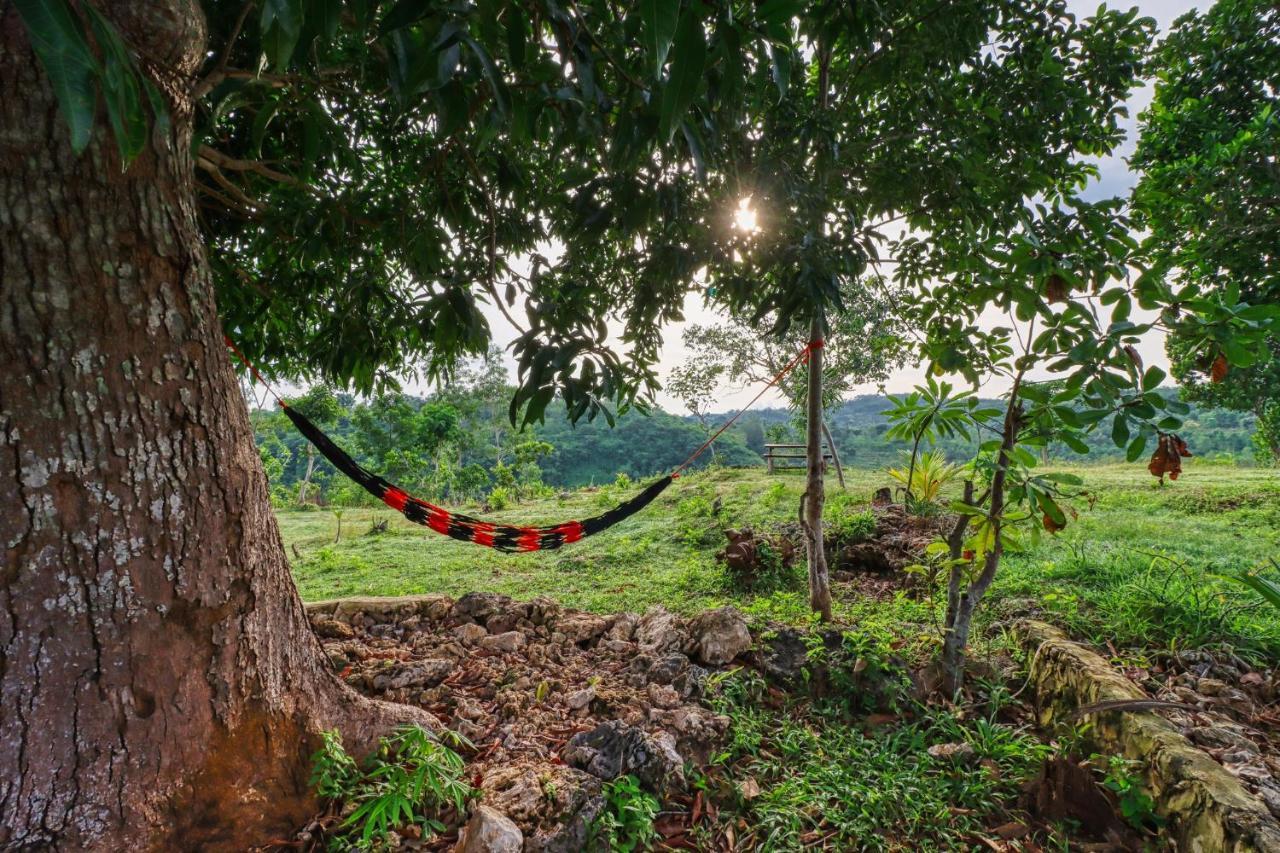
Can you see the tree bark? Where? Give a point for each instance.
(815, 495)
(160, 687)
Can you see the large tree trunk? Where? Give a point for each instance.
(159, 685)
(814, 494)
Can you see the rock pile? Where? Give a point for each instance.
(556, 701)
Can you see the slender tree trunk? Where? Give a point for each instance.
(160, 688)
(306, 478)
(961, 603)
(835, 454)
(814, 495)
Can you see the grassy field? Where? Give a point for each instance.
(1136, 569)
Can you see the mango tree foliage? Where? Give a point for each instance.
(1209, 195)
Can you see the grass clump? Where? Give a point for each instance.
(821, 776)
(626, 823)
(410, 779)
(848, 521)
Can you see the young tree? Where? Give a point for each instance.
(695, 383)
(934, 119)
(320, 406)
(1062, 279)
(1209, 193)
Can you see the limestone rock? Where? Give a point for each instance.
(511, 641)
(614, 749)
(470, 633)
(332, 629)
(582, 627)
(719, 636)
(660, 631)
(490, 831)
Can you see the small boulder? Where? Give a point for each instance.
(615, 749)
(719, 636)
(470, 633)
(668, 668)
(479, 606)
(332, 629)
(581, 627)
(580, 698)
(511, 641)
(490, 831)
(424, 673)
(784, 656)
(660, 631)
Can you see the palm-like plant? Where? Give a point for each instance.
(924, 480)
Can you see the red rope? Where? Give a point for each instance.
(253, 370)
(803, 355)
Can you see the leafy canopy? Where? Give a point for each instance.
(1209, 193)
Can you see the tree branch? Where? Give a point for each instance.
(218, 74)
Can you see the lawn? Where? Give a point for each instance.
(1137, 568)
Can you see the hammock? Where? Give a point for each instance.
(500, 537)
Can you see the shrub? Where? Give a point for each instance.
(410, 776)
(925, 480)
(499, 498)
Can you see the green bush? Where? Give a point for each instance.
(410, 777)
(499, 498)
(626, 823)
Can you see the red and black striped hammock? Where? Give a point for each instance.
(501, 537)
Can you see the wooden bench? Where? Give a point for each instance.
(774, 453)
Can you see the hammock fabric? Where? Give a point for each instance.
(462, 527)
(500, 537)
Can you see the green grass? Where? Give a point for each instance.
(1136, 568)
(828, 781)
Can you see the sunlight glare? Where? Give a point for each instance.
(744, 218)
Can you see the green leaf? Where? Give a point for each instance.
(501, 95)
(121, 87)
(1265, 587)
(281, 25)
(686, 73)
(1120, 431)
(59, 43)
(659, 18)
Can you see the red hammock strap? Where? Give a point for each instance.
(803, 355)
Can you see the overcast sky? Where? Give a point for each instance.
(1115, 179)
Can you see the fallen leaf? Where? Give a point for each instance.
(749, 788)
(1012, 830)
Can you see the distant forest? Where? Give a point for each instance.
(458, 444)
